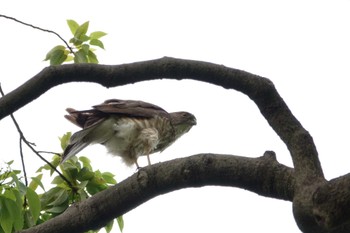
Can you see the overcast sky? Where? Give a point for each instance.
(302, 46)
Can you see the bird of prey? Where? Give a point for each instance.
(127, 128)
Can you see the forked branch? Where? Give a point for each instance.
(259, 89)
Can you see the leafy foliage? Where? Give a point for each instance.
(80, 50)
(23, 207)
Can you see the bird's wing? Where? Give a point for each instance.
(114, 107)
(131, 108)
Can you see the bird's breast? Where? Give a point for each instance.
(130, 132)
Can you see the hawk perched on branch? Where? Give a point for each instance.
(127, 128)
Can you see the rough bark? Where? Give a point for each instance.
(318, 205)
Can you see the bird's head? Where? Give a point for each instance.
(182, 122)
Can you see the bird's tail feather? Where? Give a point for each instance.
(73, 149)
(77, 142)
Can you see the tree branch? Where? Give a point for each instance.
(41, 29)
(333, 195)
(259, 89)
(308, 175)
(263, 175)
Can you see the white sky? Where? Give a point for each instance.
(302, 46)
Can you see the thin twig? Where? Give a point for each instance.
(41, 29)
(49, 152)
(22, 160)
(30, 145)
(20, 142)
(52, 166)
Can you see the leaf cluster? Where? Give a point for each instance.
(79, 50)
(22, 207)
(19, 204)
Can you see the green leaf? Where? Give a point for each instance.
(86, 162)
(60, 197)
(28, 219)
(49, 197)
(56, 159)
(109, 226)
(109, 178)
(72, 161)
(96, 185)
(44, 167)
(69, 58)
(84, 38)
(36, 181)
(70, 171)
(76, 41)
(16, 171)
(65, 140)
(85, 48)
(10, 162)
(82, 186)
(58, 57)
(81, 30)
(97, 42)
(34, 204)
(19, 200)
(85, 174)
(92, 189)
(6, 221)
(97, 35)
(19, 221)
(57, 209)
(20, 186)
(56, 48)
(55, 162)
(82, 195)
(73, 26)
(45, 216)
(57, 180)
(9, 194)
(92, 231)
(92, 57)
(55, 200)
(120, 221)
(80, 57)
(15, 214)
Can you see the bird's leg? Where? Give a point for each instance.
(137, 165)
(149, 160)
(149, 140)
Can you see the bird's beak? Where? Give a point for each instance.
(194, 121)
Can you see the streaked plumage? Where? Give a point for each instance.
(127, 128)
